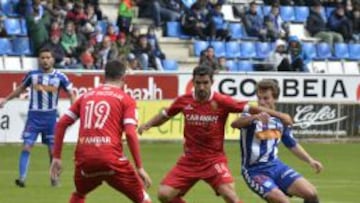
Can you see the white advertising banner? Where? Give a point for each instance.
(293, 87)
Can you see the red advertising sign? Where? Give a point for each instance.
(139, 86)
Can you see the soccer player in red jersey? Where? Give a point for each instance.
(205, 113)
(105, 113)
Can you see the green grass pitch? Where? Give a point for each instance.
(339, 182)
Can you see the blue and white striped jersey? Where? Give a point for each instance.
(259, 142)
(45, 89)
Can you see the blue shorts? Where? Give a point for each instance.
(263, 178)
(39, 123)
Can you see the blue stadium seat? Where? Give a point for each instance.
(310, 49)
(266, 10)
(232, 65)
(248, 50)
(12, 26)
(287, 13)
(188, 3)
(341, 51)
(301, 13)
(219, 48)
(103, 25)
(173, 29)
(328, 11)
(236, 30)
(21, 46)
(170, 65)
(5, 46)
(245, 66)
(232, 49)
(323, 51)
(24, 30)
(354, 51)
(199, 46)
(259, 11)
(263, 49)
(8, 7)
(323, 13)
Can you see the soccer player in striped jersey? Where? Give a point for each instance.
(262, 170)
(45, 84)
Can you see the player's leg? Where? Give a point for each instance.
(168, 194)
(83, 185)
(47, 138)
(227, 191)
(304, 189)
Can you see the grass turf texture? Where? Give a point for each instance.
(339, 182)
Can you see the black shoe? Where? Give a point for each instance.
(55, 182)
(20, 183)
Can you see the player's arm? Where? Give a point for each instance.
(20, 89)
(71, 96)
(289, 141)
(285, 118)
(247, 119)
(157, 120)
(67, 86)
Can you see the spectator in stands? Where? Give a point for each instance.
(144, 53)
(152, 39)
(279, 59)
(3, 32)
(133, 63)
(278, 28)
(37, 31)
(125, 15)
(77, 14)
(222, 64)
(58, 51)
(97, 36)
(356, 24)
(96, 5)
(91, 16)
(316, 26)
(106, 51)
(338, 22)
(123, 45)
(86, 57)
(253, 22)
(165, 10)
(195, 23)
(110, 32)
(134, 35)
(299, 59)
(69, 39)
(218, 25)
(208, 59)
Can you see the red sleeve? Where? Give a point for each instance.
(174, 108)
(130, 112)
(133, 142)
(234, 106)
(65, 121)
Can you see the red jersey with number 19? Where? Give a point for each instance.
(103, 113)
(204, 123)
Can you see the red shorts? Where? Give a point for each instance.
(118, 174)
(188, 171)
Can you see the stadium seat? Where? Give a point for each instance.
(351, 67)
(170, 65)
(219, 48)
(328, 11)
(236, 30)
(247, 50)
(228, 12)
(341, 51)
(259, 11)
(335, 67)
(318, 67)
(188, 3)
(263, 49)
(199, 46)
(301, 13)
(245, 66)
(24, 30)
(310, 49)
(173, 29)
(21, 46)
(12, 26)
(5, 46)
(232, 65)
(8, 7)
(287, 13)
(323, 51)
(354, 51)
(103, 25)
(29, 63)
(323, 13)
(12, 63)
(266, 10)
(232, 49)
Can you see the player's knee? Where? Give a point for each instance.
(310, 195)
(277, 196)
(163, 195)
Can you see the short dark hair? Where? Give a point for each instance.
(253, 3)
(269, 84)
(42, 50)
(203, 70)
(114, 70)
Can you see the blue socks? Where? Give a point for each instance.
(23, 164)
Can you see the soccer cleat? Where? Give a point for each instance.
(54, 182)
(20, 183)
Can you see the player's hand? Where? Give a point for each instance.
(55, 169)
(143, 128)
(316, 165)
(262, 117)
(145, 177)
(2, 103)
(286, 119)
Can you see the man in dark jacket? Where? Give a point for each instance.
(316, 26)
(196, 23)
(57, 50)
(338, 22)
